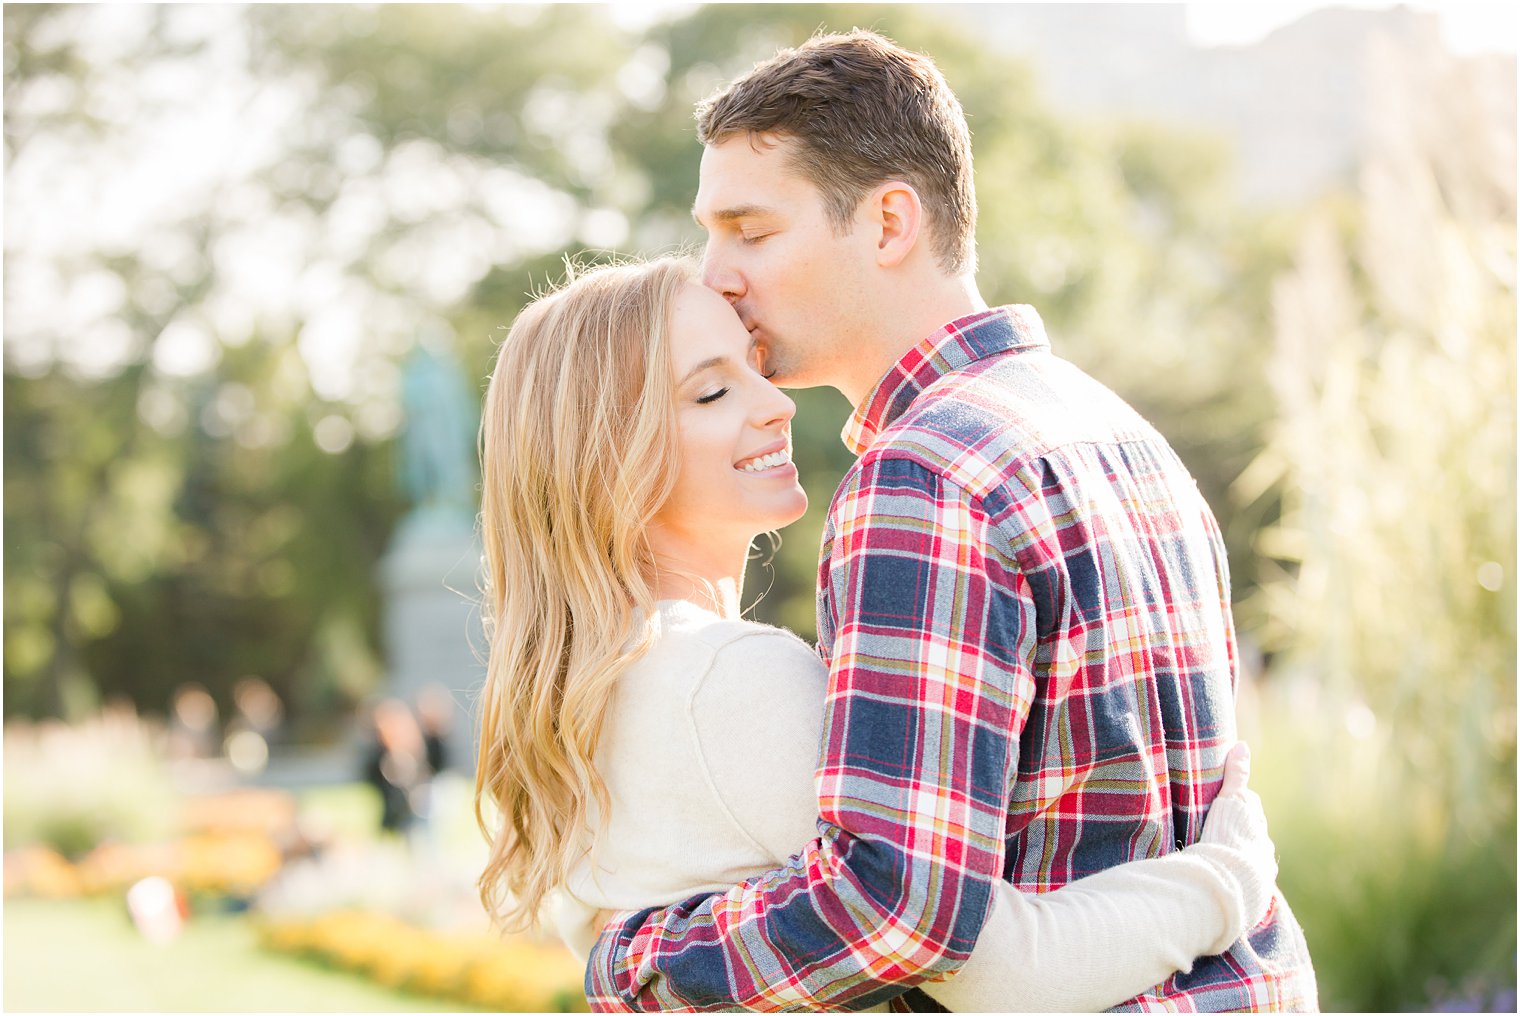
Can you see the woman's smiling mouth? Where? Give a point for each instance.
(765, 461)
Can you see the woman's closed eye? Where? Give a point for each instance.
(714, 397)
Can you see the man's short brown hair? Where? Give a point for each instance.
(861, 110)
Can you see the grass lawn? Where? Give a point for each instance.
(85, 956)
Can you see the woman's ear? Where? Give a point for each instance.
(899, 215)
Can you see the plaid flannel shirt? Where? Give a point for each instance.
(1024, 604)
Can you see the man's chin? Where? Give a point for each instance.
(782, 379)
(796, 380)
(782, 374)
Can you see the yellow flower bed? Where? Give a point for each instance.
(233, 864)
(42, 872)
(226, 863)
(505, 975)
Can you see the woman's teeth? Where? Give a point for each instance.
(765, 462)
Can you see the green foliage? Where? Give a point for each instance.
(1401, 911)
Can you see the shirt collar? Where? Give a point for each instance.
(953, 347)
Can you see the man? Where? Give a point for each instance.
(1023, 599)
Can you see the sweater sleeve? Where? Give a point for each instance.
(757, 717)
(1112, 935)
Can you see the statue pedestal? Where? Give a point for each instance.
(432, 625)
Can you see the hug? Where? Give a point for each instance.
(1006, 778)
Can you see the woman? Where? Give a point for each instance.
(639, 742)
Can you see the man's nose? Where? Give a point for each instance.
(721, 279)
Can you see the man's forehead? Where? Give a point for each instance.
(738, 179)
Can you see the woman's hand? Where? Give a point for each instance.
(1237, 770)
(1237, 824)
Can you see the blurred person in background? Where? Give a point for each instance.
(435, 715)
(437, 798)
(1023, 598)
(396, 765)
(641, 743)
(192, 723)
(257, 715)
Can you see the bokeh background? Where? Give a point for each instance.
(230, 230)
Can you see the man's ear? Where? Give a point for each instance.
(899, 215)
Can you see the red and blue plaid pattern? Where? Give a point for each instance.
(1024, 605)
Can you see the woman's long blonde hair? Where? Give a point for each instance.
(577, 442)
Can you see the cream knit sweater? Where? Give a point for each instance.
(708, 754)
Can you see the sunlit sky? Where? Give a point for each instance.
(1468, 27)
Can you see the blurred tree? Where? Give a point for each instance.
(252, 215)
(408, 169)
(181, 504)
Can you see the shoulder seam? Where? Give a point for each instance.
(738, 631)
(941, 471)
(696, 734)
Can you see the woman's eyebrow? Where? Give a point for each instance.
(711, 361)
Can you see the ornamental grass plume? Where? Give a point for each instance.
(1386, 732)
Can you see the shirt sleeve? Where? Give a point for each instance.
(929, 687)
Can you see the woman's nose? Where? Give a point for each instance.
(777, 408)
